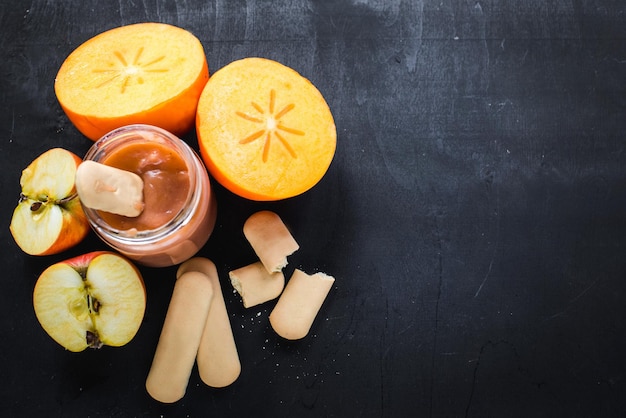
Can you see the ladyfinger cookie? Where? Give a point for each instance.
(217, 356)
(180, 337)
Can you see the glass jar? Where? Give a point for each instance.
(189, 226)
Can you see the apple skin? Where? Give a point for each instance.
(90, 300)
(49, 217)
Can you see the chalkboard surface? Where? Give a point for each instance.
(474, 215)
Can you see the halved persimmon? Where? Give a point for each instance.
(264, 131)
(149, 73)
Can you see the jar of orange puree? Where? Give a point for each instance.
(179, 206)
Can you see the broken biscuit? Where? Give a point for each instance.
(271, 240)
(255, 285)
(299, 304)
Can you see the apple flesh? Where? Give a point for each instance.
(91, 300)
(49, 217)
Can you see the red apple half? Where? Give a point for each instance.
(49, 217)
(91, 300)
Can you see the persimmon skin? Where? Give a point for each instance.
(177, 78)
(264, 131)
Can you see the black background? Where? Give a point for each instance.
(474, 215)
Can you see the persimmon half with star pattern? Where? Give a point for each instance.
(264, 131)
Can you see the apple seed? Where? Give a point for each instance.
(36, 206)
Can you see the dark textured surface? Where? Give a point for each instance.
(474, 216)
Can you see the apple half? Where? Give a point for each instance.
(49, 217)
(92, 300)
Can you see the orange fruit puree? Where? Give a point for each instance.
(166, 184)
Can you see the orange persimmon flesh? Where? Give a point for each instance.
(264, 131)
(150, 73)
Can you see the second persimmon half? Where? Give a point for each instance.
(264, 131)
